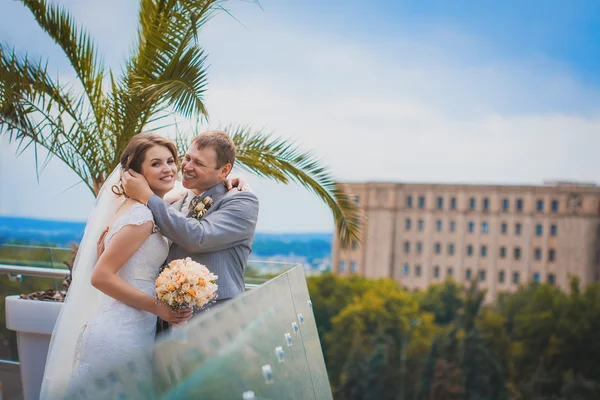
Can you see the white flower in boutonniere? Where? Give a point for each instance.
(200, 207)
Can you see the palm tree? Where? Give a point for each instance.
(87, 128)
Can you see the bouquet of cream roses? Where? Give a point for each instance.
(185, 283)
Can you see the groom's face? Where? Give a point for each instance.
(199, 169)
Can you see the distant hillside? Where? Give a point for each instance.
(38, 231)
(62, 233)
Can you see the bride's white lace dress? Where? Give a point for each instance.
(118, 332)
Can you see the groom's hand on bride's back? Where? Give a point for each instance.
(136, 186)
(100, 244)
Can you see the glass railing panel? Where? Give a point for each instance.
(258, 272)
(35, 256)
(309, 333)
(248, 347)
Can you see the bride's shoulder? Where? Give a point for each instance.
(139, 210)
(135, 213)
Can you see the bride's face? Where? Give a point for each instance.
(160, 169)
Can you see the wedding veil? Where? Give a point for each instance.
(82, 299)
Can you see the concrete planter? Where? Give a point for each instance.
(33, 321)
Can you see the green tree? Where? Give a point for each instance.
(383, 310)
(447, 382)
(165, 73)
(444, 300)
(429, 371)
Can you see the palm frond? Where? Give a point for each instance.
(35, 110)
(283, 161)
(78, 47)
(181, 86)
(167, 68)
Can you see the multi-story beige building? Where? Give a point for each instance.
(503, 236)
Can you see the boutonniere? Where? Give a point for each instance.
(200, 207)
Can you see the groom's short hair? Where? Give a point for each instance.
(220, 142)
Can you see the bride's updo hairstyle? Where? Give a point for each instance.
(134, 154)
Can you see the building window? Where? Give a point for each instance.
(342, 266)
(519, 205)
(356, 200)
(452, 226)
(440, 203)
(451, 249)
(551, 255)
(554, 206)
(438, 225)
(539, 230)
(536, 277)
(407, 224)
(353, 266)
(486, 204)
(551, 279)
(483, 251)
(419, 247)
(407, 247)
(421, 225)
(553, 230)
(436, 272)
(501, 276)
(484, 227)
(538, 254)
(471, 226)
(354, 245)
(418, 270)
(518, 229)
(482, 275)
(505, 204)
(453, 203)
(515, 278)
(468, 273)
(438, 248)
(469, 250)
(449, 271)
(406, 270)
(503, 252)
(472, 203)
(408, 201)
(421, 201)
(517, 253)
(540, 205)
(504, 228)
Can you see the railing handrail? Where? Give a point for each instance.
(34, 271)
(33, 246)
(56, 272)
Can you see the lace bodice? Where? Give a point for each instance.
(143, 267)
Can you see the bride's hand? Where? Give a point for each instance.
(173, 196)
(166, 313)
(237, 183)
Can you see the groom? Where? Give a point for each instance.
(210, 224)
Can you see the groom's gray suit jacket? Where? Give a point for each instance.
(221, 239)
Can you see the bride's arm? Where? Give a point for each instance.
(175, 194)
(121, 248)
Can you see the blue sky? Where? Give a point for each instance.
(421, 91)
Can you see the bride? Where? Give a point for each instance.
(110, 312)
